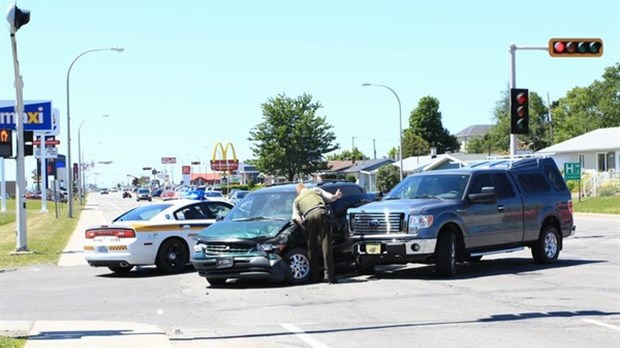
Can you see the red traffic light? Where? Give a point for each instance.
(575, 47)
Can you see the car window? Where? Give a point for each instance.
(503, 187)
(555, 178)
(533, 182)
(191, 212)
(215, 210)
(143, 213)
(479, 181)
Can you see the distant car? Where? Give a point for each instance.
(158, 234)
(237, 196)
(156, 193)
(143, 194)
(104, 191)
(214, 196)
(126, 194)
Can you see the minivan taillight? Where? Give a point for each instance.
(111, 232)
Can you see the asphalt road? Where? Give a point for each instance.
(505, 300)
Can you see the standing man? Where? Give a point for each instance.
(310, 211)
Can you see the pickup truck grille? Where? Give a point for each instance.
(226, 249)
(377, 223)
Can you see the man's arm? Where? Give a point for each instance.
(328, 197)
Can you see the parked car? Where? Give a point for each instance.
(158, 234)
(214, 196)
(258, 239)
(104, 191)
(143, 194)
(126, 194)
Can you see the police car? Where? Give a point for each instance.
(160, 234)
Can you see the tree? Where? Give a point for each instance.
(347, 155)
(414, 145)
(585, 109)
(387, 177)
(425, 122)
(291, 140)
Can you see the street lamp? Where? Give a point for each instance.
(81, 186)
(400, 126)
(69, 164)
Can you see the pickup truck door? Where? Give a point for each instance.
(511, 207)
(484, 223)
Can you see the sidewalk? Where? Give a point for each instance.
(84, 334)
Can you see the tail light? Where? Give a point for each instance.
(111, 232)
(570, 206)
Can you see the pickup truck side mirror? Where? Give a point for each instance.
(486, 196)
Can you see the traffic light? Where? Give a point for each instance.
(28, 147)
(17, 17)
(6, 143)
(519, 111)
(575, 47)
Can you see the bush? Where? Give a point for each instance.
(351, 178)
(607, 189)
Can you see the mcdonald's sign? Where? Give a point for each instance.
(224, 164)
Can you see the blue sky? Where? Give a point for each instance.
(195, 73)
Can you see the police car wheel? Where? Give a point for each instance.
(172, 256)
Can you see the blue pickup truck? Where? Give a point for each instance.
(449, 216)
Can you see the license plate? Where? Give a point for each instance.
(373, 248)
(101, 249)
(224, 262)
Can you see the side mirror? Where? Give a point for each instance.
(486, 196)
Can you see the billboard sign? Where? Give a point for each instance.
(37, 115)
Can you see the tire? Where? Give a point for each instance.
(120, 269)
(547, 248)
(446, 254)
(172, 256)
(364, 268)
(216, 281)
(299, 266)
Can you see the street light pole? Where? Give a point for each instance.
(69, 165)
(81, 186)
(400, 126)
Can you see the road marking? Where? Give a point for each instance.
(600, 323)
(304, 336)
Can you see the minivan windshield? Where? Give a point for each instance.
(264, 206)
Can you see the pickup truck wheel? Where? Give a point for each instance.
(364, 268)
(446, 254)
(299, 266)
(547, 248)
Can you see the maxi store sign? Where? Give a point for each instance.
(37, 116)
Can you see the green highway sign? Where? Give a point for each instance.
(572, 171)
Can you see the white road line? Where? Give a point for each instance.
(600, 323)
(304, 336)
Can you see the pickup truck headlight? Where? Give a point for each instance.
(416, 222)
(200, 248)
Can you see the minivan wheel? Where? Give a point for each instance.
(299, 266)
(547, 248)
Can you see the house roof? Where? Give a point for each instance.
(602, 139)
(336, 166)
(473, 131)
(368, 165)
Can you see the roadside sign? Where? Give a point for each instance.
(50, 152)
(168, 160)
(37, 115)
(572, 171)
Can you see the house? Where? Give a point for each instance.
(471, 132)
(365, 172)
(596, 151)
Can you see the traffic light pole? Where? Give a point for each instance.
(513, 84)
(20, 177)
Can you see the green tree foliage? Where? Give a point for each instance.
(585, 109)
(292, 139)
(387, 177)
(347, 155)
(425, 122)
(414, 145)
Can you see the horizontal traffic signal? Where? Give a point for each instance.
(575, 47)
